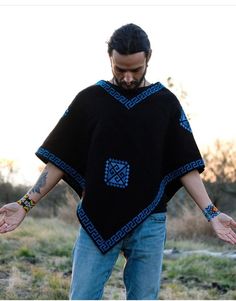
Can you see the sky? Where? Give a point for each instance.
(49, 53)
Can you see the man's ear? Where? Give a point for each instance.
(110, 57)
(149, 55)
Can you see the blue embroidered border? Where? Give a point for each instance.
(62, 165)
(66, 113)
(130, 103)
(184, 122)
(104, 245)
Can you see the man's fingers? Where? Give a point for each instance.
(228, 236)
(231, 235)
(7, 228)
(11, 228)
(233, 223)
(232, 232)
(222, 234)
(2, 219)
(227, 239)
(2, 216)
(3, 228)
(2, 210)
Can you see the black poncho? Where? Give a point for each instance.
(127, 150)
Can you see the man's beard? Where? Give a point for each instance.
(133, 85)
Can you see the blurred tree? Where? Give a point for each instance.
(178, 90)
(220, 174)
(56, 198)
(9, 192)
(181, 199)
(7, 170)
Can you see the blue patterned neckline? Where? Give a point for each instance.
(128, 92)
(130, 98)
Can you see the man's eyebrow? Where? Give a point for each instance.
(132, 69)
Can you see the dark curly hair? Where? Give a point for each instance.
(129, 39)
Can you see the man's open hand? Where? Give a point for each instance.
(11, 215)
(223, 226)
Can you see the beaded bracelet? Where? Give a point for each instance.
(210, 212)
(27, 203)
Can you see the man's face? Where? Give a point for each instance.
(128, 70)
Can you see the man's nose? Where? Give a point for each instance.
(128, 77)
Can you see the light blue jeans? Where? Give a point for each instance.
(143, 249)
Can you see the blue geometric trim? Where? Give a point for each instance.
(184, 122)
(105, 245)
(62, 165)
(66, 113)
(130, 103)
(116, 173)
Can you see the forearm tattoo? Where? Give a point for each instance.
(40, 183)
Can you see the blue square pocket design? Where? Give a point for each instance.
(117, 173)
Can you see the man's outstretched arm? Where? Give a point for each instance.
(222, 224)
(12, 214)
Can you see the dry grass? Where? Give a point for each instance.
(67, 213)
(190, 225)
(36, 264)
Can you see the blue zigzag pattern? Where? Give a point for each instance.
(184, 122)
(62, 165)
(104, 245)
(130, 103)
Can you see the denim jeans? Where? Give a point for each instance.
(143, 249)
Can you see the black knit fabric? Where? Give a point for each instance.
(127, 150)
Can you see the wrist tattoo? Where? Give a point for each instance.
(40, 183)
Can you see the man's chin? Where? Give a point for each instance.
(129, 87)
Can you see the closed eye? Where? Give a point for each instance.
(118, 69)
(137, 69)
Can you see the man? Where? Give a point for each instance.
(126, 146)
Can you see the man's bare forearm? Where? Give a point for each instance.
(195, 187)
(49, 177)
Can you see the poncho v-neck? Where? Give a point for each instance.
(127, 150)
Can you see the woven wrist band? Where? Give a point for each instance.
(210, 212)
(26, 203)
